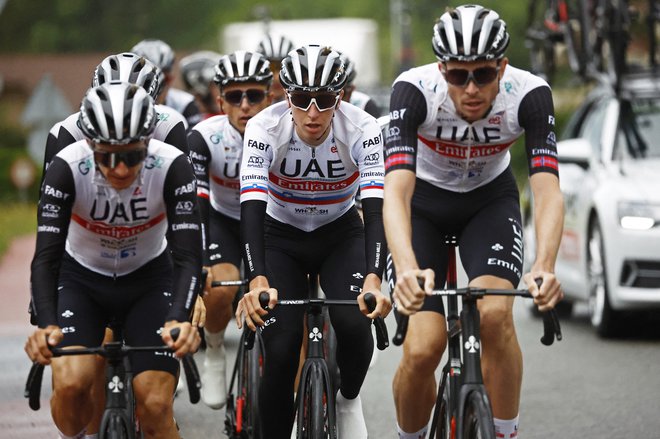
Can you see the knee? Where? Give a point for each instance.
(73, 383)
(224, 296)
(422, 356)
(154, 407)
(497, 326)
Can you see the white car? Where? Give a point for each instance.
(610, 177)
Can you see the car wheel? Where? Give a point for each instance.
(601, 314)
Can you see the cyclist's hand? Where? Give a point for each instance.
(383, 303)
(36, 345)
(188, 340)
(409, 296)
(209, 279)
(249, 308)
(199, 313)
(550, 292)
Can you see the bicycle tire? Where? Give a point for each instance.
(115, 426)
(477, 417)
(316, 414)
(254, 369)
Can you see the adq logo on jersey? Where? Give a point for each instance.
(372, 159)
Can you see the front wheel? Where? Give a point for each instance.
(477, 417)
(443, 421)
(316, 412)
(114, 426)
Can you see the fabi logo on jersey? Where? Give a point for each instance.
(185, 189)
(371, 142)
(258, 145)
(397, 114)
(55, 193)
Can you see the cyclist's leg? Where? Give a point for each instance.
(82, 321)
(282, 339)
(225, 255)
(98, 389)
(154, 373)
(414, 383)
(492, 253)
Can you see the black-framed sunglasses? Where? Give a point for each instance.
(481, 76)
(254, 96)
(323, 101)
(111, 159)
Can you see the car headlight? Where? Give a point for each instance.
(637, 215)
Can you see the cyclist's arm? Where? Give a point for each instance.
(407, 112)
(372, 108)
(53, 217)
(177, 136)
(536, 116)
(200, 157)
(184, 238)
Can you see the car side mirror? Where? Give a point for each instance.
(576, 151)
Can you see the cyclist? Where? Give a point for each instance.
(197, 71)
(128, 67)
(118, 237)
(357, 98)
(447, 172)
(161, 54)
(216, 148)
(275, 49)
(303, 161)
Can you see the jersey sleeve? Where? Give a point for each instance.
(369, 157)
(53, 217)
(536, 116)
(184, 238)
(407, 113)
(177, 137)
(200, 157)
(256, 160)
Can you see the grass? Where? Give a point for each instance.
(17, 219)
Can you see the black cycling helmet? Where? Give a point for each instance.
(131, 68)
(156, 51)
(313, 68)
(243, 66)
(198, 71)
(275, 48)
(117, 113)
(469, 33)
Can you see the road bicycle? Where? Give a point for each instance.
(551, 23)
(462, 409)
(315, 399)
(119, 420)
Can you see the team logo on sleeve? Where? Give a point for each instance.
(153, 161)
(84, 166)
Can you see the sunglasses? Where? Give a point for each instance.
(323, 101)
(235, 97)
(112, 159)
(461, 77)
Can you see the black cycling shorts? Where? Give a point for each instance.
(225, 236)
(88, 301)
(486, 221)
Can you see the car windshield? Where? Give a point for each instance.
(640, 128)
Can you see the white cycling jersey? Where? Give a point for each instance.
(460, 156)
(184, 103)
(113, 232)
(216, 162)
(304, 186)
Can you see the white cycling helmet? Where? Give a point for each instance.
(275, 48)
(313, 68)
(131, 68)
(243, 66)
(198, 70)
(156, 51)
(469, 33)
(117, 113)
